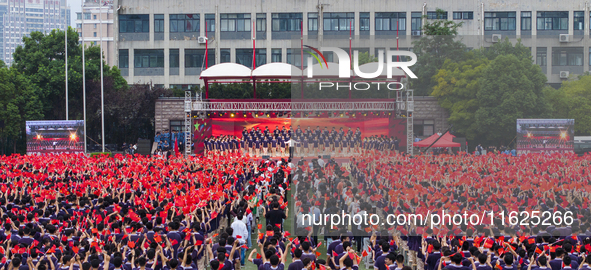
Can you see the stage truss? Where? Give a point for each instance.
(404, 105)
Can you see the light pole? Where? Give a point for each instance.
(102, 85)
(66, 42)
(83, 79)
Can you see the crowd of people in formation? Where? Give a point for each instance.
(401, 185)
(169, 142)
(283, 142)
(142, 213)
(133, 212)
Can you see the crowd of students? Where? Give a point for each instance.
(134, 212)
(169, 141)
(395, 185)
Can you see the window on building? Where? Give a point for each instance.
(364, 21)
(244, 57)
(293, 57)
(94, 17)
(463, 15)
(499, 21)
(185, 87)
(552, 20)
(579, 20)
(176, 125)
(313, 21)
(275, 55)
(94, 34)
(159, 23)
(94, 43)
(339, 21)
(261, 22)
(173, 58)
(390, 21)
(87, 15)
(78, 16)
(541, 56)
(184, 23)
(416, 23)
(225, 56)
(567, 56)
(526, 20)
(123, 58)
(286, 22)
(152, 58)
(195, 58)
(95, 26)
(435, 15)
(78, 25)
(134, 23)
(210, 22)
(236, 22)
(424, 127)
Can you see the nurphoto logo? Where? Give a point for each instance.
(345, 68)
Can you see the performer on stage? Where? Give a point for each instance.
(265, 144)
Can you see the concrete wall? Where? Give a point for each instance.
(168, 109)
(427, 108)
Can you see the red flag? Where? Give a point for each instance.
(334, 254)
(260, 226)
(131, 244)
(75, 249)
(157, 238)
(364, 253)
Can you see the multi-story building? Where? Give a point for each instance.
(20, 18)
(97, 14)
(159, 44)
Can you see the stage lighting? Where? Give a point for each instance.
(256, 115)
(342, 115)
(72, 136)
(267, 114)
(365, 114)
(232, 115)
(38, 137)
(563, 135)
(244, 115)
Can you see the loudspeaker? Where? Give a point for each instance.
(266, 157)
(143, 147)
(327, 157)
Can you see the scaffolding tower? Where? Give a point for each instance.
(188, 109)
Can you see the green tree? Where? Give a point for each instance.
(510, 88)
(456, 90)
(19, 102)
(42, 60)
(365, 57)
(506, 47)
(437, 45)
(573, 101)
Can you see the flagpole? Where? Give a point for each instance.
(83, 79)
(66, 42)
(102, 84)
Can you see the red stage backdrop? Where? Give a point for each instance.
(369, 126)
